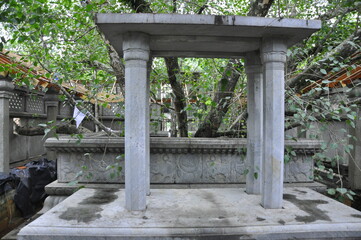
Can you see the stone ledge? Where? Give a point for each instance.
(95, 144)
(196, 214)
(172, 160)
(65, 189)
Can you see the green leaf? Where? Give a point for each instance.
(287, 158)
(46, 131)
(255, 175)
(349, 196)
(323, 71)
(341, 190)
(351, 192)
(330, 175)
(331, 191)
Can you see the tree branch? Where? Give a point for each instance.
(202, 8)
(336, 12)
(100, 66)
(259, 8)
(139, 6)
(73, 102)
(341, 52)
(115, 62)
(294, 59)
(223, 98)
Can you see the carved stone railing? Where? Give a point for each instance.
(173, 160)
(32, 104)
(27, 104)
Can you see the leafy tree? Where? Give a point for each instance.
(62, 37)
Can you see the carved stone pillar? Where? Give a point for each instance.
(274, 58)
(6, 88)
(52, 110)
(136, 56)
(254, 73)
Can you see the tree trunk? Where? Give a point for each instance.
(223, 97)
(179, 96)
(259, 8)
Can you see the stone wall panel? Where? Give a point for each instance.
(172, 160)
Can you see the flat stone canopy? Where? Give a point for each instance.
(203, 35)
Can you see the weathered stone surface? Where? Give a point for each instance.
(254, 70)
(273, 57)
(6, 88)
(221, 213)
(203, 35)
(172, 160)
(52, 110)
(136, 55)
(354, 167)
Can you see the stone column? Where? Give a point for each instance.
(52, 110)
(147, 113)
(136, 55)
(354, 163)
(6, 88)
(254, 73)
(274, 58)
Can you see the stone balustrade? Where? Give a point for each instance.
(172, 160)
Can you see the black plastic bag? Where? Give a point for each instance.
(31, 189)
(7, 182)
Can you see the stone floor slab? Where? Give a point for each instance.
(227, 213)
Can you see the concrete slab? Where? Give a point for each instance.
(227, 213)
(203, 35)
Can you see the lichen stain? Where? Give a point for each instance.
(81, 214)
(220, 20)
(89, 210)
(302, 192)
(282, 222)
(310, 207)
(221, 237)
(101, 196)
(276, 165)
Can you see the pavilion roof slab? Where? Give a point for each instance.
(203, 35)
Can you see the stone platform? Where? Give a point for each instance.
(227, 213)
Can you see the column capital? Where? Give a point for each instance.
(136, 46)
(6, 87)
(51, 103)
(51, 97)
(273, 50)
(5, 94)
(274, 57)
(253, 63)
